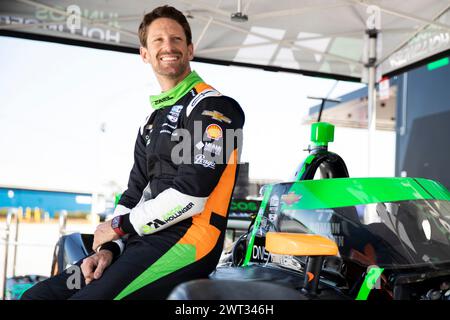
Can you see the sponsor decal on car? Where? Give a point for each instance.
(214, 132)
(216, 116)
(274, 203)
(290, 198)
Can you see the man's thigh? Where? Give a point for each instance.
(59, 287)
(133, 265)
(133, 262)
(148, 270)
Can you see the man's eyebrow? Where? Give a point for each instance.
(160, 35)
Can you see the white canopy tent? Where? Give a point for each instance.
(355, 40)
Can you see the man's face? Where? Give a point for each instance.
(167, 49)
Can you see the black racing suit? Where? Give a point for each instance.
(175, 208)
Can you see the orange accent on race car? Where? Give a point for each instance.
(290, 198)
(214, 131)
(202, 234)
(299, 244)
(310, 276)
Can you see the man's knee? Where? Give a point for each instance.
(37, 292)
(53, 288)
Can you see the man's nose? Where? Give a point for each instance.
(169, 45)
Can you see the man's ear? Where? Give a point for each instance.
(144, 54)
(191, 51)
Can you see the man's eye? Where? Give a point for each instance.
(157, 40)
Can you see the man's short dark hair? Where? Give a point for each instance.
(164, 12)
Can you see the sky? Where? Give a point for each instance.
(69, 117)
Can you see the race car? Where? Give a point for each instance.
(338, 238)
(325, 235)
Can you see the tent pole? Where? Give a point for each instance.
(372, 96)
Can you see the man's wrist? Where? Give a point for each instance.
(111, 246)
(126, 225)
(116, 225)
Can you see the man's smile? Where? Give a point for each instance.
(169, 58)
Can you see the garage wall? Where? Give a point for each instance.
(423, 124)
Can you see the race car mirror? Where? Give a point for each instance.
(314, 246)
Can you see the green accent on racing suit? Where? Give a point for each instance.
(179, 256)
(169, 97)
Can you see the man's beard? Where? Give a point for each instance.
(173, 72)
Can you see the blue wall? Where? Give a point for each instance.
(50, 201)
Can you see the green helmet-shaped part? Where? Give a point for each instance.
(322, 133)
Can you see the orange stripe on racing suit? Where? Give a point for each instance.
(202, 234)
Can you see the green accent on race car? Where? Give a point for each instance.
(322, 133)
(171, 96)
(344, 192)
(437, 190)
(307, 162)
(179, 256)
(369, 282)
(262, 209)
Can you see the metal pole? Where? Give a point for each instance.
(321, 109)
(16, 241)
(5, 270)
(371, 95)
(62, 222)
(239, 6)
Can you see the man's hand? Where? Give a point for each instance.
(104, 233)
(93, 266)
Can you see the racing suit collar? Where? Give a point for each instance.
(169, 97)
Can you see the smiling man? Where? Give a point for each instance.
(169, 224)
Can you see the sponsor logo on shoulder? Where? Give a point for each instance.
(218, 116)
(214, 132)
(213, 148)
(174, 113)
(200, 145)
(201, 159)
(209, 147)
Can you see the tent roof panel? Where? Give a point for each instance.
(269, 38)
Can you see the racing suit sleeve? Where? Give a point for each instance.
(138, 177)
(130, 197)
(212, 133)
